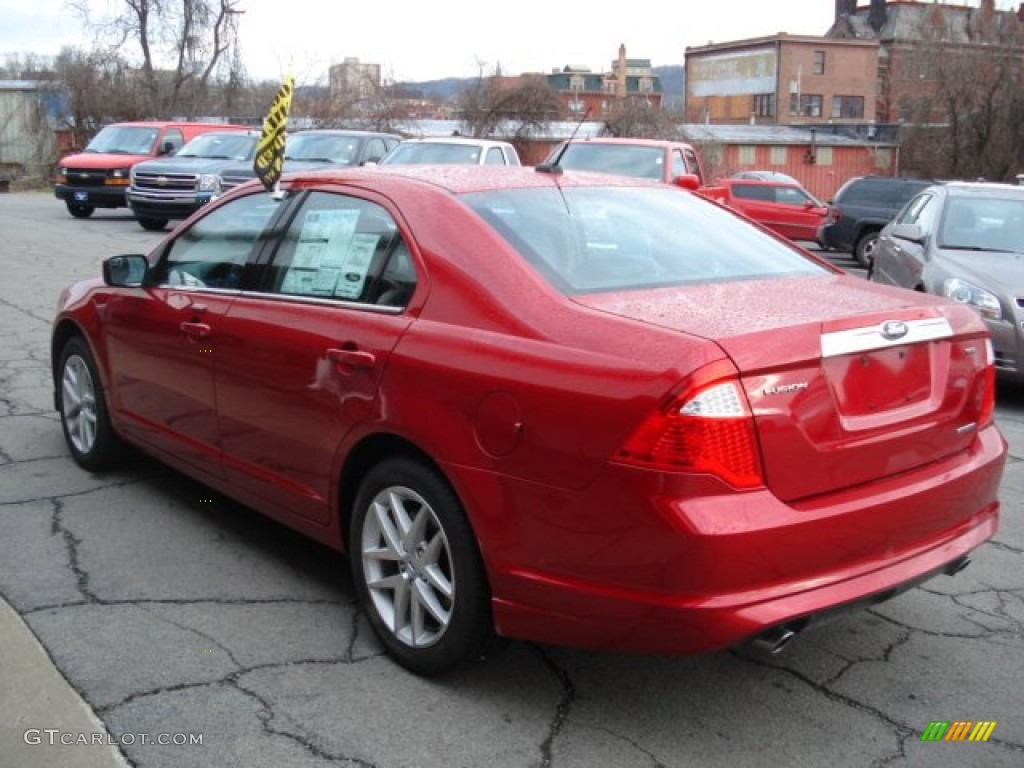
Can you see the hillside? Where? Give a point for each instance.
(446, 88)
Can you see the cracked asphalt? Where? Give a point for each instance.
(171, 609)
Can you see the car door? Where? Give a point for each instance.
(756, 201)
(307, 351)
(798, 214)
(164, 338)
(899, 261)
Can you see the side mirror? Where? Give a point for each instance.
(688, 181)
(911, 232)
(167, 148)
(125, 271)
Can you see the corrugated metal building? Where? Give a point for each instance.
(28, 113)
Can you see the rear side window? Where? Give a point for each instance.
(754, 192)
(345, 248)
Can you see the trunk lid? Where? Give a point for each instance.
(848, 382)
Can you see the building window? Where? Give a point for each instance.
(848, 106)
(777, 156)
(883, 157)
(819, 62)
(805, 105)
(763, 104)
(747, 155)
(823, 156)
(646, 85)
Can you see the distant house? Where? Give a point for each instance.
(30, 113)
(599, 92)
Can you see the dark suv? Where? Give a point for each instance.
(861, 207)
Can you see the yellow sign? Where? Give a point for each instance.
(269, 160)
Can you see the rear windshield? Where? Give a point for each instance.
(220, 146)
(620, 159)
(426, 153)
(322, 148)
(598, 239)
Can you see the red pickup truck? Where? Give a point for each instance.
(783, 207)
(668, 161)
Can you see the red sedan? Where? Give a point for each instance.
(562, 407)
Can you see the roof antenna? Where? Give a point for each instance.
(553, 166)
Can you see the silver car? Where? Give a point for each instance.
(964, 241)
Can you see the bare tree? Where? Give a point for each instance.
(521, 106)
(180, 45)
(636, 117)
(966, 114)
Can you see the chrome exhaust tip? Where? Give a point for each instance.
(774, 640)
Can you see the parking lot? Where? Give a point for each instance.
(173, 610)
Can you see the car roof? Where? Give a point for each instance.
(463, 140)
(660, 143)
(982, 189)
(760, 182)
(343, 132)
(459, 179)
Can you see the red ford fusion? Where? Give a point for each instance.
(537, 404)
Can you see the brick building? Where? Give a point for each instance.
(782, 80)
(580, 89)
(916, 39)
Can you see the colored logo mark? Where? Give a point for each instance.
(958, 730)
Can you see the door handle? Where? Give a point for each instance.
(356, 358)
(195, 330)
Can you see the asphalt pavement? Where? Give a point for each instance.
(137, 608)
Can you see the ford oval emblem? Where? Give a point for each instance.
(894, 329)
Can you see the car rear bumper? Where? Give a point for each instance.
(720, 570)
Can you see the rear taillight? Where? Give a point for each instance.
(706, 429)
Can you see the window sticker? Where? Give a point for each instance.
(331, 259)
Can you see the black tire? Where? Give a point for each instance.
(82, 404)
(864, 251)
(80, 210)
(436, 550)
(152, 225)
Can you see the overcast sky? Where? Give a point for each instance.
(427, 40)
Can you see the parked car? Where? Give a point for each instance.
(571, 408)
(861, 207)
(99, 176)
(452, 150)
(175, 187)
(766, 176)
(320, 148)
(964, 241)
(667, 161)
(781, 206)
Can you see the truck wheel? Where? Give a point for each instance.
(80, 210)
(865, 250)
(152, 225)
